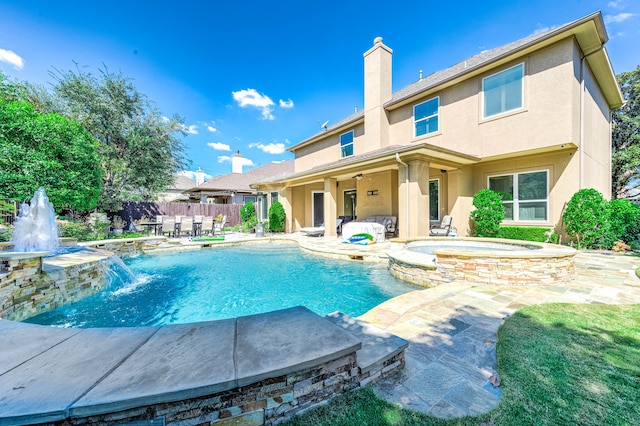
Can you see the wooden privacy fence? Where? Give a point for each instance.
(136, 210)
(8, 211)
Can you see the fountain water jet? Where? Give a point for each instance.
(35, 228)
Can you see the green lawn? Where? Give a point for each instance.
(560, 364)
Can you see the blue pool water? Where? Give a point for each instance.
(223, 283)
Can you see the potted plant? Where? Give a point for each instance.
(118, 225)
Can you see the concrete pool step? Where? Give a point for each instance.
(378, 346)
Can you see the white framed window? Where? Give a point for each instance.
(274, 197)
(434, 199)
(425, 117)
(346, 144)
(503, 91)
(525, 195)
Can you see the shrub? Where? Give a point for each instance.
(6, 232)
(525, 233)
(488, 214)
(248, 216)
(624, 220)
(276, 217)
(586, 218)
(79, 230)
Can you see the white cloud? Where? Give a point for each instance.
(12, 58)
(620, 17)
(286, 104)
(251, 98)
(617, 4)
(219, 146)
(541, 29)
(192, 129)
(272, 148)
(212, 129)
(192, 175)
(227, 159)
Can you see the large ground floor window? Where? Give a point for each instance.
(525, 195)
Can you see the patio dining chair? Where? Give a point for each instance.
(168, 226)
(186, 226)
(218, 226)
(443, 229)
(207, 225)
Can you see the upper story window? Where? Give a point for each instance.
(525, 196)
(503, 91)
(425, 117)
(346, 144)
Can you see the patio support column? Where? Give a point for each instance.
(417, 203)
(460, 204)
(286, 195)
(330, 207)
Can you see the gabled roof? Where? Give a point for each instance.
(181, 183)
(589, 32)
(241, 182)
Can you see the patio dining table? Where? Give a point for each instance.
(155, 225)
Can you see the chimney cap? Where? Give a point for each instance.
(377, 40)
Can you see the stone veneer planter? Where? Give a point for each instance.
(548, 264)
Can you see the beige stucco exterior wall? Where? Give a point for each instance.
(328, 150)
(596, 155)
(380, 204)
(563, 171)
(298, 210)
(545, 120)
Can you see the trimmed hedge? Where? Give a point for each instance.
(525, 233)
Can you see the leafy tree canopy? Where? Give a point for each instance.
(47, 150)
(625, 161)
(140, 149)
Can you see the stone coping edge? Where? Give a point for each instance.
(220, 355)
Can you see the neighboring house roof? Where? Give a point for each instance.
(241, 182)
(588, 31)
(181, 183)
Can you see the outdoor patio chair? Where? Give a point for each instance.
(169, 226)
(218, 226)
(443, 229)
(186, 226)
(207, 225)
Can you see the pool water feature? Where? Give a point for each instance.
(229, 282)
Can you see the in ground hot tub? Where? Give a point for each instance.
(435, 261)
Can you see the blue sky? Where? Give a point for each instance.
(259, 76)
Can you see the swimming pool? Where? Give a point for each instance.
(229, 282)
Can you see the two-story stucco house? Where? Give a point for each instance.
(531, 119)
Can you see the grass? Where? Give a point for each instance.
(559, 364)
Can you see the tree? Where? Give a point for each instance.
(47, 150)
(488, 214)
(140, 149)
(625, 156)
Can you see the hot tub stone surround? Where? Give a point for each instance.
(545, 265)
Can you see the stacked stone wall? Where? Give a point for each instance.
(266, 402)
(27, 291)
(487, 270)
